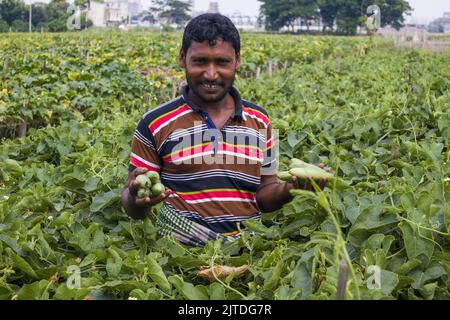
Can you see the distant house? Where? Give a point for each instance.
(96, 13)
(114, 12)
(246, 23)
(441, 24)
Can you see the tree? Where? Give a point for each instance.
(147, 15)
(393, 11)
(348, 14)
(306, 10)
(278, 13)
(174, 11)
(283, 13)
(49, 17)
(352, 13)
(39, 15)
(4, 27)
(328, 10)
(19, 26)
(57, 16)
(12, 10)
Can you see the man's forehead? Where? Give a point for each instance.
(218, 43)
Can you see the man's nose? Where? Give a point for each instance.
(210, 73)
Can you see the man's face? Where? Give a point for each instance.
(210, 69)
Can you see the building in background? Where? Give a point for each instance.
(96, 13)
(244, 22)
(441, 24)
(114, 12)
(213, 7)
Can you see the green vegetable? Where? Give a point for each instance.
(314, 173)
(142, 193)
(284, 175)
(157, 189)
(143, 181)
(13, 167)
(153, 176)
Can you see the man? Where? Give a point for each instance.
(214, 151)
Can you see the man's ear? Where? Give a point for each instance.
(182, 59)
(238, 61)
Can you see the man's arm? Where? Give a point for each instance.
(134, 207)
(271, 195)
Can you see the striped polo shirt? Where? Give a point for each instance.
(214, 174)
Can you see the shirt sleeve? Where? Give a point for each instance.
(270, 154)
(143, 149)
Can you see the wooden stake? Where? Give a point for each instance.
(5, 67)
(146, 98)
(22, 129)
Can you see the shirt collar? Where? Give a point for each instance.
(238, 112)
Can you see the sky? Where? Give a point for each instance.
(424, 10)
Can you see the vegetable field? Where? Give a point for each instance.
(378, 116)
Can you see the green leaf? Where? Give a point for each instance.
(64, 293)
(408, 266)
(106, 199)
(91, 184)
(256, 226)
(428, 290)
(188, 290)
(217, 291)
(369, 221)
(33, 291)
(156, 273)
(389, 281)
(416, 245)
(271, 282)
(114, 264)
(285, 292)
(21, 263)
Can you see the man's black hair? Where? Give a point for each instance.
(211, 27)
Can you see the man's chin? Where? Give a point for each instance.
(212, 99)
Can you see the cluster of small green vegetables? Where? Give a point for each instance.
(149, 185)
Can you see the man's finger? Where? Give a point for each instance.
(322, 183)
(308, 185)
(139, 171)
(160, 198)
(133, 188)
(141, 202)
(295, 182)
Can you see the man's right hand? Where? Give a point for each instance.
(136, 207)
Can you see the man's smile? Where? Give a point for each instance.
(209, 87)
